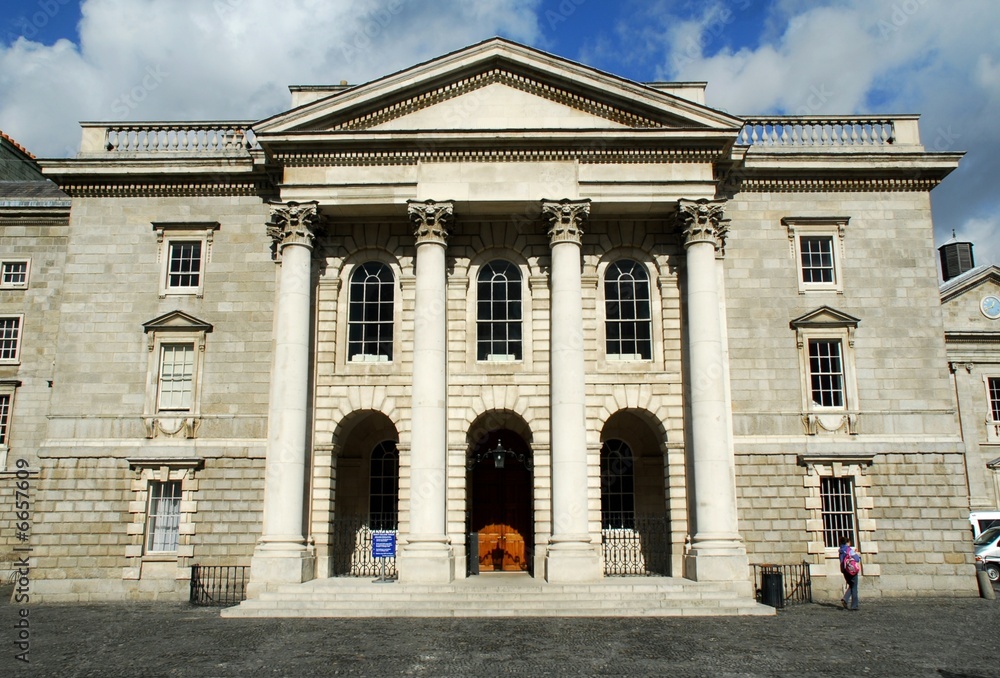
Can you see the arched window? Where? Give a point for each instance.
(617, 486)
(629, 325)
(383, 487)
(498, 312)
(370, 314)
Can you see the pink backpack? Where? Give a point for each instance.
(851, 566)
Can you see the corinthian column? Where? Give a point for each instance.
(427, 555)
(282, 555)
(571, 556)
(717, 552)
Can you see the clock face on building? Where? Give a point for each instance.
(990, 306)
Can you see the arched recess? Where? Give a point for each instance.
(635, 517)
(500, 494)
(367, 491)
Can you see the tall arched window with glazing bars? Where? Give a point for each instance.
(498, 312)
(629, 325)
(370, 314)
(383, 487)
(617, 486)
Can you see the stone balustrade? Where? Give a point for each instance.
(830, 132)
(213, 137)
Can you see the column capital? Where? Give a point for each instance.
(702, 221)
(293, 223)
(430, 219)
(566, 219)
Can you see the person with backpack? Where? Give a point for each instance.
(850, 567)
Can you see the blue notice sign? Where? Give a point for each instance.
(383, 545)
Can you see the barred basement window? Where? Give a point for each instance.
(826, 372)
(617, 486)
(370, 313)
(383, 487)
(839, 519)
(498, 312)
(163, 516)
(628, 324)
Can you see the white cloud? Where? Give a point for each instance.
(195, 59)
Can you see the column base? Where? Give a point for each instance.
(718, 562)
(573, 563)
(273, 565)
(426, 563)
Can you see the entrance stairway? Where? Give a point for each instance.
(501, 595)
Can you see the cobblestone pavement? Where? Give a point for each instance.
(926, 637)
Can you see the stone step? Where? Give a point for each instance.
(485, 597)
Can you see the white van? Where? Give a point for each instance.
(987, 547)
(982, 521)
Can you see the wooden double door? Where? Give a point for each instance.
(501, 509)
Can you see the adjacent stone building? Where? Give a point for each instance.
(527, 316)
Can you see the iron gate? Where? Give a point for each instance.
(641, 547)
(351, 549)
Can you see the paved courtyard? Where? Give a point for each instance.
(927, 637)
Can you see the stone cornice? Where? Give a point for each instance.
(836, 185)
(584, 154)
(167, 189)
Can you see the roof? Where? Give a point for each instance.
(16, 145)
(967, 278)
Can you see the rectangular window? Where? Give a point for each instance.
(4, 417)
(10, 338)
(176, 377)
(184, 266)
(14, 274)
(826, 372)
(816, 252)
(839, 520)
(993, 391)
(163, 516)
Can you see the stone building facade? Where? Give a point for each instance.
(525, 316)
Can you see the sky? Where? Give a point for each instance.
(66, 61)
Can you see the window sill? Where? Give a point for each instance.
(165, 557)
(366, 358)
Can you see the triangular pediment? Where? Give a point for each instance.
(824, 317)
(497, 84)
(177, 321)
(981, 279)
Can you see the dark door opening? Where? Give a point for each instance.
(500, 519)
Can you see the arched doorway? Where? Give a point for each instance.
(501, 529)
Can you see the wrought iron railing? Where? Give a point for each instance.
(781, 585)
(639, 546)
(351, 549)
(219, 584)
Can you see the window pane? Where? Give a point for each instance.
(14, 274)
(994, 394)
(185, 264)
(817, 259)
(826, 373)
(371, 311)
(176, 376)
(163, 516)
(10, 334)
(498, 311)
(4, 417)
(628, 327)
